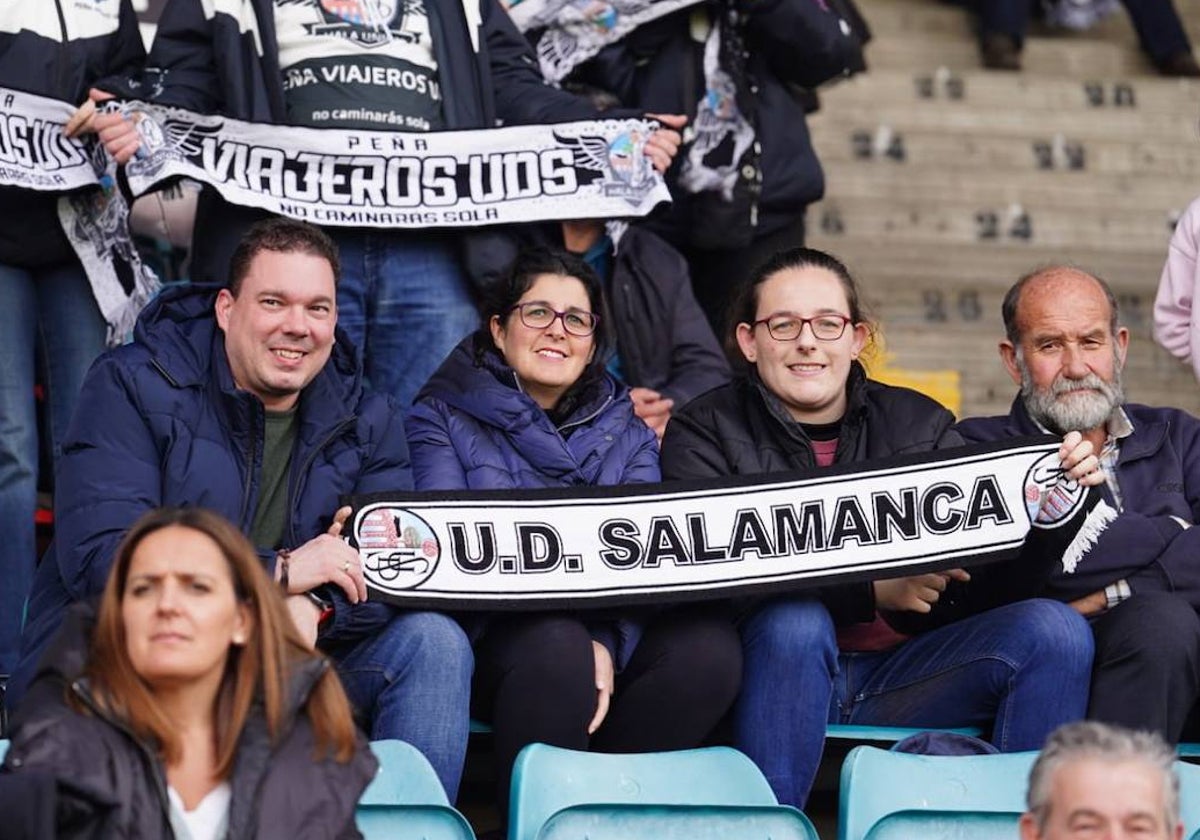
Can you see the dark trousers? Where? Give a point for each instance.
(1158, 26)
(535, 681)
(716, 274)
(1146, 672)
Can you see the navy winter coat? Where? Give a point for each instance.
(1159, 475)
(473, 428)
(160, 422)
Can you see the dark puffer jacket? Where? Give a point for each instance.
(658, 68)
(109, 784)
(473, 428)
(742, 429)
(161, 422)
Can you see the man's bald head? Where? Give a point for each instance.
(1049, 281)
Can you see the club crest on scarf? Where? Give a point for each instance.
(399, 548)
(366, 23)
(620, 159)
(1050, 497)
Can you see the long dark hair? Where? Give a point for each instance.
(744, 305)
(530, 264)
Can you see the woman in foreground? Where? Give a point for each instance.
(187, 705)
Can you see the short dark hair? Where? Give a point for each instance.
(1012, 299)
(532, 263)
(284, 236)
(744, 305)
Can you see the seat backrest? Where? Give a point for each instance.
(944, 825)
(405, 777)
(429, 822)
(1189, 798)
(547, 779)
(678, 822)
(877, 782)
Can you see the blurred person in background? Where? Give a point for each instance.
(186, 705)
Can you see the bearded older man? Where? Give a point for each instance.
(1140, 583)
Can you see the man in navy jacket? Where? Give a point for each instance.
(1140, 583)
(249, 401)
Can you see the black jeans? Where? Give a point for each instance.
(535, 681)
(1146, 672)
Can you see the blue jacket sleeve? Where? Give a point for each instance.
(436, 465)
(643, 465)
(108, 476)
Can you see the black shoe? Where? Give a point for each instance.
(1180, 65)
(1000, 51)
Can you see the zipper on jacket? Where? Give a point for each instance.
(163, 371)
(64, 63)
(308, 461)
(251, 452)
(589, 418)
(160, 782)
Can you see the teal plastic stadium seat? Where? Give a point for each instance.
(3, 749)
(406, 799)
(678, 822)
(931, 797)
(405, 777)
(400, 822)
(890, 734)
(548, 779)
(946, 825)
(1189, 798)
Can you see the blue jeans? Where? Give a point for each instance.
(405, 303)
(53, 325)
(412, 681)
(1019, 671)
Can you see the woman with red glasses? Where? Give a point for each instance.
(526, 402)
(840, 654)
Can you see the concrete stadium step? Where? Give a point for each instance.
(986, 220)
(840, 144)
(1154, 196)
(995, 266)
(949, 116)
(1122, 96)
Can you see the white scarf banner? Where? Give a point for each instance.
(578, 29)
(579, 170)
(35, 154)
(603, 546)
